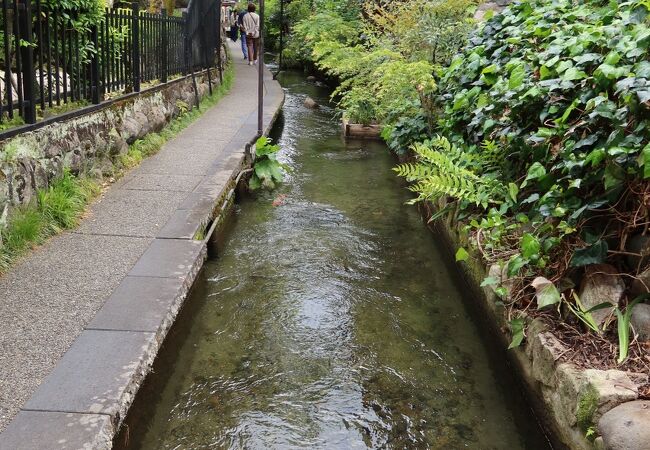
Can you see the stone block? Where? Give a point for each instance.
(99, 374)
(171, 258)
(39, 430)
(184, 224)
(141, 304)
(546, 349)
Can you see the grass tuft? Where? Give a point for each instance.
(55, 209)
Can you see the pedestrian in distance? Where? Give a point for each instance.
(234, 27)
(242, 33)
(251, 22)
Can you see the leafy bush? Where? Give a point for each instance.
(563, 88)
(551, 98)
(267, 170)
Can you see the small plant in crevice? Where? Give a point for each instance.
(267, 170)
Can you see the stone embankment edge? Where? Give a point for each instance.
(85, 399)
(568, 401)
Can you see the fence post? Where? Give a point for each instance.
(27, 55)
(165, 46)
(136, 46)
(186, 42)
(95, 88)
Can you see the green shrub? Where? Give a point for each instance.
(267, 170)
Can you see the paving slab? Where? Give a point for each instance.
(163, 182)
(33, 430)
(170, 258)
(198, 201)
(184, 224)
(96, 373)
(141, 304)
(136, 212)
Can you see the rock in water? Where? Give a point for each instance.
(311, 103)
(626, 427)
(311, 79)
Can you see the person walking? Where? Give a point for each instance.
(242, 33)
(251, 22)
(234, 27)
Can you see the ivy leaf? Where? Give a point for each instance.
(593, 254)
(529, 246)
(462, 255)
(517, 77)
(517, 330)
(490, 281)
(545, 73)
(513, 190)
(515, 264)
(535, 172)
(609, 72)
(573, 74)
(644, 161)
(546, 293)
(612, 58)
(642, 69)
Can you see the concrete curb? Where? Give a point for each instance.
(83, 401)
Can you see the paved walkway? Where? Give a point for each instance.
(135, 239)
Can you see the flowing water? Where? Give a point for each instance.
(331, 319)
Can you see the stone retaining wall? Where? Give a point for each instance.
(580, 409)
(89, 143)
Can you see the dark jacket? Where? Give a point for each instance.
(240, 17)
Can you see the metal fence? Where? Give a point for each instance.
(49, 59)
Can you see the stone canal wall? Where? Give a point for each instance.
(581, 409)
(91, 141)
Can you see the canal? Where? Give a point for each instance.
(332, 320)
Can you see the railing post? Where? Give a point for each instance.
(26, 44)
(136, 46)
(165, 46)
(95, 88)
(186, 42)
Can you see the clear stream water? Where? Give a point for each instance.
(332, 320)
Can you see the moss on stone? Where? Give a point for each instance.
(587, 407)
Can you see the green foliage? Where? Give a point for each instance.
(563, 86)
(384, 60)
(517, 330)
(445, 169)
(57, 208)
(267, 170)
(430, 31)
(623, 325)
(587, 407)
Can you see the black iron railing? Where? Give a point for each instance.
(48, 58)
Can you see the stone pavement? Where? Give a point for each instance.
(83, 315)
